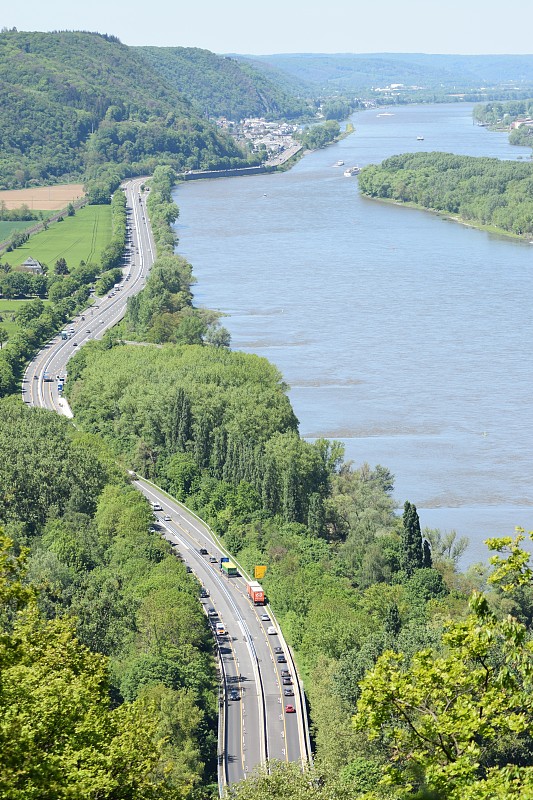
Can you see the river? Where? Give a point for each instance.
(404, 335)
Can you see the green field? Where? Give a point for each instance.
(6, 228)
(7, 314)
(78, 238)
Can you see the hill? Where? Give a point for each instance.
(222, 86)
(441, 74)
(75, 103)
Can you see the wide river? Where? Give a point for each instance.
(404, 335)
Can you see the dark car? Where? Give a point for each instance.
(286, 681)
(281, 660)
(212, 611)
(203, 551)
(234, 694)
(285, 673)
(278, 649)
(288, 692)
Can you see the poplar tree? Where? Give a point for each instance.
(411, 556)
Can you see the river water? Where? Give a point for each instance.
(404, 335)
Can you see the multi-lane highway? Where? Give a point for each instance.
(51, 361)
(254, 660)
(262, 707)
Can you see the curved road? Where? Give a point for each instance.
(257, 726)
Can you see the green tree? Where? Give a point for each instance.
(411, 553)
(4, 336)
(460, 724)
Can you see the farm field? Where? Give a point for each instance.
(6, 228)
(8, 308)
(43, 198)
(78, 238)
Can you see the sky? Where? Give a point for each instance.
(292, 26)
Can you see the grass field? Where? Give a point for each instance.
(8, 308)
(78, 238)
(6, 228)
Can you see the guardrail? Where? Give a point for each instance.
(305, 738)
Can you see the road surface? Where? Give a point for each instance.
(257, 725)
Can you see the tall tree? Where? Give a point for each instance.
(411, 554)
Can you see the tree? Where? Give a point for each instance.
(60, 736)
(61, 267)
(411, 553)
(460, 724)
(4, 336)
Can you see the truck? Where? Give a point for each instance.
(255, 593)
(229, 568)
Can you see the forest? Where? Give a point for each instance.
(83, 104)
(480, 191)
(500, 115)
(220, 86)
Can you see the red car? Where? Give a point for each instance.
(290, 710)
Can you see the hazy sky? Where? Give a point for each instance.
(292, 26)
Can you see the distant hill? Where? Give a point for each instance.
(348, 72)
(77, 103)
(221, 86)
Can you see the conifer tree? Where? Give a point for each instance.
(411, 555)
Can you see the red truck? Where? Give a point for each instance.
(256, 593)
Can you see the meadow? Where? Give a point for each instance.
(78, 238)
(7, 228)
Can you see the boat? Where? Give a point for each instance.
(385, 114)
(351, 171)
(339, 164)
(419, 138)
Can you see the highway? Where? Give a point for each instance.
(255, 725)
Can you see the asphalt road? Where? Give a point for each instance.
(103, 314)
(258, 727)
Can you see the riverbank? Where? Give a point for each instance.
(452, 218)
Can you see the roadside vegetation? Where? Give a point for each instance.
(480, 191)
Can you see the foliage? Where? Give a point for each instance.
(65, 114)
(60, 735)
(459, 723)
(317, 136)
(222, 86)
(485, 191)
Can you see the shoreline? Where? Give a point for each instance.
(445, 215)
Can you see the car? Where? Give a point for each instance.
(204, 592)
(156, 507)
(234, 694)
(265, 618)
(271, 630)
(212, 611)
(167, 518)
(203, 551)
(188, 569)
(213, 559)
(288, 692)
(281, 660)
(35, 377)
(278, 649)
(290, 709)
(285, 673)
(286, 681)
(87, 331)
(74, 344)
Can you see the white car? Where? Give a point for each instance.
(167, 518)
(265, 617)
(271, 630)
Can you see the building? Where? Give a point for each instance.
(33, 266)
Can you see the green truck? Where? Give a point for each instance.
(229, 568)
